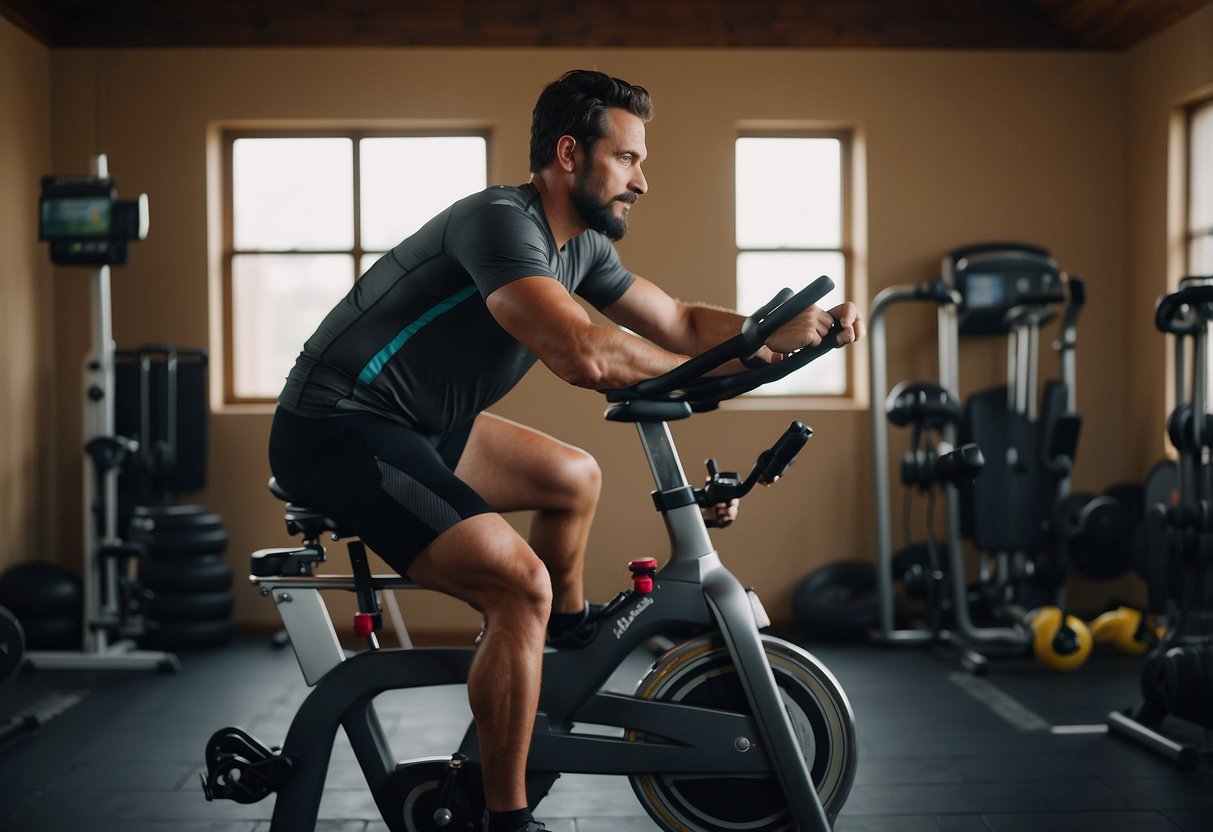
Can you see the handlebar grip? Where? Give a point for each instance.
(938, 291)
(749, 327)
(960, 465)
(790, 308)
(681, 375)
(759, 326)
(775, 461)
(1077, 290)
(1077, 286)
(706, 396)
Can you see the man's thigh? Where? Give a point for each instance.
(517, 468)
(381, 480)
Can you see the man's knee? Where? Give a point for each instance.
(524, 587)
(534, 585)
(485, 563)
(578, 477)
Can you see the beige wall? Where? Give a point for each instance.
(961, 146)
(26, 450)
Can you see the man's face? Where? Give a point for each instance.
(610, 181)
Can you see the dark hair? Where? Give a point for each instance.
(576, 105)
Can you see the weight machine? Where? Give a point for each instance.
(87, 225)
(1177, 677)
(1026, 445)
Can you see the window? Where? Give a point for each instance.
(1198, 225)
(1200, 190)
(307, 213)
(792, 208)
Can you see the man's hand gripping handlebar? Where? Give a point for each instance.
(690, 385)
(689, 382)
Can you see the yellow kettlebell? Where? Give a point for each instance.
(1123, 629)
(1059, 641)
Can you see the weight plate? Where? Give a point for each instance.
(178, 635)
(204, 574)
(188, 606)
(1161, 486)
(838, 601)
(12, 644)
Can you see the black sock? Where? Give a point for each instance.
(562, 622)
(510, 821)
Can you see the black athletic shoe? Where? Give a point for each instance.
(531, 825)
(579, 633)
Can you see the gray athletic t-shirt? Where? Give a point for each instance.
(414, 340)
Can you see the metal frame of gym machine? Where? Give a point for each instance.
(102, 555)
(1022, 357)
(1185, 314)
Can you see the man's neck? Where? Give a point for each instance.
(562, 216)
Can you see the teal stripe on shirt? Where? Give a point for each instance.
(375, 366)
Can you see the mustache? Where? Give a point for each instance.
(627, 197)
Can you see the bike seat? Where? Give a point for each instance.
(305, 521)
(269, 563)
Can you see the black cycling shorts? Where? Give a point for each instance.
(393, 487)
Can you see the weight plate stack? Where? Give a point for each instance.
(48, 600)
(185, 583)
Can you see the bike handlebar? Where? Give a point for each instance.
(688, 382)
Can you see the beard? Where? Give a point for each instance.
(599, 215)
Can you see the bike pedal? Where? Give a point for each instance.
(240, 767)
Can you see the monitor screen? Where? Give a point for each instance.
(76, 217)
(984, 290)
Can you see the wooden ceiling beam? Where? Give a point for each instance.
(1114, 24)
(926, 24)
(31, 17)
(575, 23)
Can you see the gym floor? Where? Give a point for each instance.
(1018, 749)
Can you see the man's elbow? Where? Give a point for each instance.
(582, 371)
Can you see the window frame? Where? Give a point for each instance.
(847, 137)
(1190, 232)
(228, 137)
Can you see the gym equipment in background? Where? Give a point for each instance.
(160, 401)
(87, 225)
(183, 582)
(732, 730)
(839, 601)
(1007, 290)
(12, 644)
(1177, 675)
(48, 600)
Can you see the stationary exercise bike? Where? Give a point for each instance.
(730, 729)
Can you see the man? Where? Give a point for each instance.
(382, 422)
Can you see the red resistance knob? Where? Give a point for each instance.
(643, 571)
(364, 624)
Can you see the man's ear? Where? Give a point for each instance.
(566, 157)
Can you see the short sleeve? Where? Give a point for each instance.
(498, 243)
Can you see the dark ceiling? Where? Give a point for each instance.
(931, 24)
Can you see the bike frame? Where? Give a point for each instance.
(693, 588)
